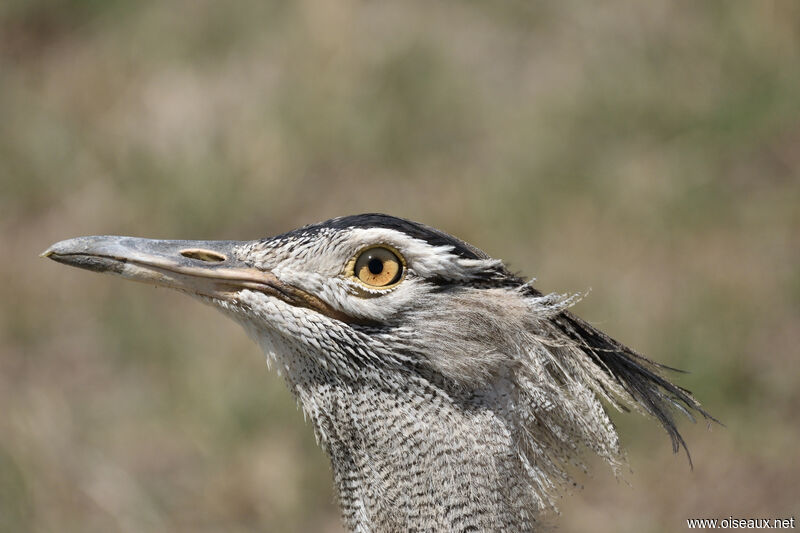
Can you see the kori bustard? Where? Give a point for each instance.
(449, 393)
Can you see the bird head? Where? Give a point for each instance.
(406, 346)
(371, 282)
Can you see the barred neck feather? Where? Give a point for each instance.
(473, 411)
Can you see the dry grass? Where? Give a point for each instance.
(647, 150)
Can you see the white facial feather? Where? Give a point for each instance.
(317, 266)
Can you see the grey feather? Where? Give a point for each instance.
(458, 399)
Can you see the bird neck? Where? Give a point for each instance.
(409, 458)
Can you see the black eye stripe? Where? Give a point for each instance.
(432, 236)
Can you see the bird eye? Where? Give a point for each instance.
(378, 267)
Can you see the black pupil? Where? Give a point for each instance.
(375, 265)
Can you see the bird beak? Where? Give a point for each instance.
(205, 268)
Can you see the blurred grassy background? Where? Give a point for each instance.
(650, 151)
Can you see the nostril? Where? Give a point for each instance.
(203, 255)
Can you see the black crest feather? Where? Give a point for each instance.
(637, 374)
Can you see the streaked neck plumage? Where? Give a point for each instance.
(428, 428)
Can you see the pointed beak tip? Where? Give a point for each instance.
(55, 249)
(58, 248)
